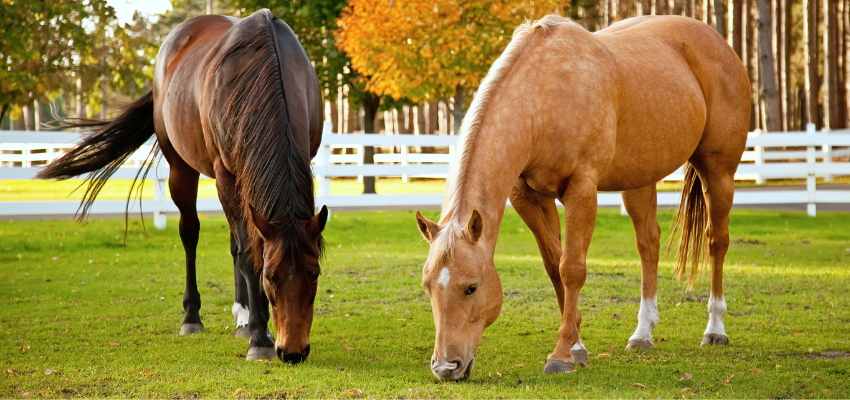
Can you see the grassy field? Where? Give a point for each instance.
(82, 316)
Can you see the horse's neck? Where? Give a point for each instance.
(485, 180)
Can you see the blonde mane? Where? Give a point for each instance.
(452, 225)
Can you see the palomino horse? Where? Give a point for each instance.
(562, 114)
(237, 100)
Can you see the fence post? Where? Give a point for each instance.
(159, 218)
(361, 152)
(827, 155)
(759, 157)
(404, 152)
(323, 161)
(811, 180)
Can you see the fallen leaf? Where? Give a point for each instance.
(355, 391)
(729, 378)
(66, 379)
(146, 373)
(571, 372)
(519, 366)
(447, 385)
(566, 391)
(24, 348)
(106, 319)
(639, 385)
(498, 373)
(687, 390)
(415, 388)
(340, 368)
(347, 348)
(114, 344)
(756, 370)
(129, 372)
(603, 355)
(685, 376)
(798, 333)
(13, 372)
(400, 320)
(74, 303)
(778, 365)
(368, 256)
(238, 355)
(827, 390)
(45, 357)
(239, 391)
(48, 371)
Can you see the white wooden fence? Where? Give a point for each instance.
(22, 152)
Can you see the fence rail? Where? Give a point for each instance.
(826, 154)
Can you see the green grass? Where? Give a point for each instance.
(105, 318)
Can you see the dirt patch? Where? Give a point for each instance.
(827, 355)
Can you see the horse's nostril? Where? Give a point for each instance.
(295, 358)
(279, 353)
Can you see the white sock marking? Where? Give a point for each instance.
(578, 346)
(241, 314)
(647, 319)
(444, 277)
(716, 311)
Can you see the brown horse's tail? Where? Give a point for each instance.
(692, 219)
(103, 151)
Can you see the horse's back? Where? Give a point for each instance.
(681, 86)
(178, 80)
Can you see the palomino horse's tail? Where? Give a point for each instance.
(103, 151)
(692, 219)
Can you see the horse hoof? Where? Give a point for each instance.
(580, 355)
(641, 344)
(555, 366)
(714, 338)
(242, 332)
(190, 328)
(260, 353)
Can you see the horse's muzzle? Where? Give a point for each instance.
(451, 371)
(293, 358)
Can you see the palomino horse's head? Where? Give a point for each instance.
(465, 291)
(290, 276)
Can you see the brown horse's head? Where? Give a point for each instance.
(290, 276)
(465, 291)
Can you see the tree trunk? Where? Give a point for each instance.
(371, 102)
(719, 17)
(351, 116)
(738, 28)
(810, 18)
(459, 108)
(691, 9)
(830, 48)
(421, 126)
(433, 117)
(334, 116)
(29, 118)
(769, 92)
(448, 117)
(842, 70)
(750, 44)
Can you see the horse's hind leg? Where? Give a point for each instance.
(541, 216)
(241, 303)
(719, 190)
(642, 205)
(183, 185)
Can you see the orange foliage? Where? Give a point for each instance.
(424, 49)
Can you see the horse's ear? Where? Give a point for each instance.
(317, 224)
(428, 228)
(263, 225)
(474, 227)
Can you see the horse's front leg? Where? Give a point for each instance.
(261, 342)
(580, 216)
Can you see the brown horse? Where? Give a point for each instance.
(237, 100)
(563, 114)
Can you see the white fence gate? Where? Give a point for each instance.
(22, 152)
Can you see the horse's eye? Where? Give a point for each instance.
(471, 289)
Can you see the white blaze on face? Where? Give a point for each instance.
(444, 277)
(716, 311)
(647, 319)
(241, 314)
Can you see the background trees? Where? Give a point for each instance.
(417, 61)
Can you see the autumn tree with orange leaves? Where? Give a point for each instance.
(424, 49)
